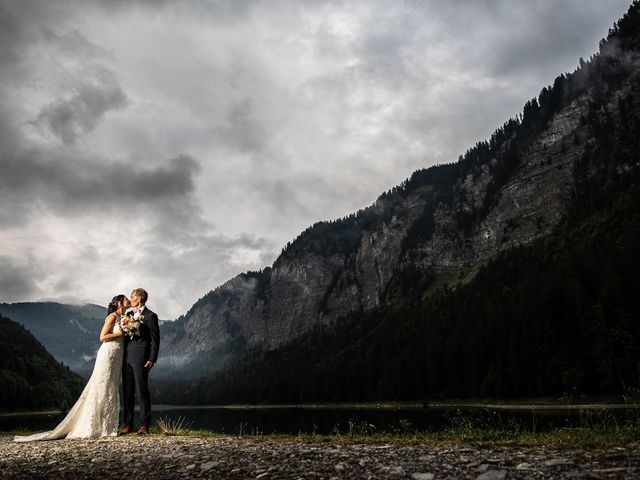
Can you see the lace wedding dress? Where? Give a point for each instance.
(96, 412)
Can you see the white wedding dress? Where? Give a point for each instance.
(96, 412)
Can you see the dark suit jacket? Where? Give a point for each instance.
(145, 346)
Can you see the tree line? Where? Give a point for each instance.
(29, 375)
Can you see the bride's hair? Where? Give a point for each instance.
(115, 303)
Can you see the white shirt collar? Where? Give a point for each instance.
(131, 309)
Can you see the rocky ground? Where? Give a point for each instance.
(162, 457)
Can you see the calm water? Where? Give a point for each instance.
(294, 420)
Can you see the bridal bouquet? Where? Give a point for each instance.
(130, 324)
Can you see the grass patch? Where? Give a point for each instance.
(178, 426)
(592, 429)
(562, 438)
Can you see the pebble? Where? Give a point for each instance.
(577, 474)
(237, 458)
(610, 470)
(208, 465)
(613, 454)
(422, 476)
(554, 462)
(492, 475)
(393, 471)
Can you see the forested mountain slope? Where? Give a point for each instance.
(30, 378)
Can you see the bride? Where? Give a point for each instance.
(96, 412)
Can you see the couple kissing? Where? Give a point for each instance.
(130, 337)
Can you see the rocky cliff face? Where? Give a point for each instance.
(509, 199)
(529, 204)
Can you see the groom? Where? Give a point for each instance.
(140, 355)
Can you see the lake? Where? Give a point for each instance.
(328, 419)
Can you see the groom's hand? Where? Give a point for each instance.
(149, 364)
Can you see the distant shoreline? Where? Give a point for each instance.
(29, 413)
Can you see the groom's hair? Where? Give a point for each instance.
(142, 293)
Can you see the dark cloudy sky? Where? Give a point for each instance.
(175, 144)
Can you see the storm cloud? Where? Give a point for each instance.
(68, 185)
(71, 118)
(174, 144)
(18, 279)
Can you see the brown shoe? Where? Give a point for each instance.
(125, 430)
(144, 430)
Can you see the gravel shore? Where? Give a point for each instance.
(162, 457)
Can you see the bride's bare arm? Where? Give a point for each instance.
(107, 327)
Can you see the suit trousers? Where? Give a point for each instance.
(135, 380)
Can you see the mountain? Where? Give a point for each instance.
(30, 377)
(574, 146)
(70, 332)
(555, 318)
